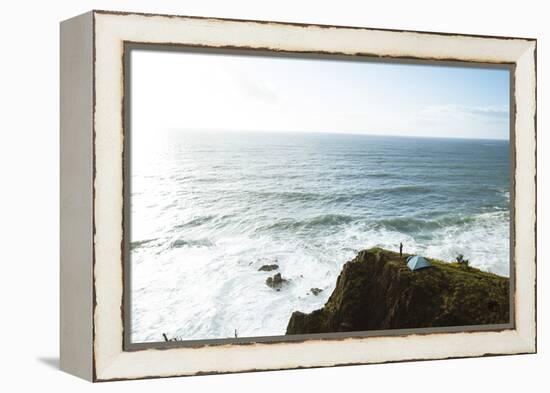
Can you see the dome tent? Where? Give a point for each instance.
(417, 262)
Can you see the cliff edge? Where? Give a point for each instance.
(377, 291)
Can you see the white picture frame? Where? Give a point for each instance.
(92, 194)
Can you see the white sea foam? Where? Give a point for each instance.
(201, 290)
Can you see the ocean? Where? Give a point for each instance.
(208, 209)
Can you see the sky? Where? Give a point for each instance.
(192, 91)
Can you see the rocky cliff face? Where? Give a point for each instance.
(377, 291)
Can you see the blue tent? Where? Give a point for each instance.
(417, 262)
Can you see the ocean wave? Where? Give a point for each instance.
(412, 188)
(378, 193)
(138, 243)
(381, 174)
(288, 196)
(323, 220)
(179, 243)
(196, 221)
(411, 224)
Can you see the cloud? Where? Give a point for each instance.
(489, 112)
(441, 114)
(255, 89)
(462, 121)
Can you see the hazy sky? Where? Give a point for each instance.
(176, 90)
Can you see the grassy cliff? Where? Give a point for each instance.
(376, 290)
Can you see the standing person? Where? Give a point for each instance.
(400, 249)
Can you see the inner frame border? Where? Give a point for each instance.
(129, 46)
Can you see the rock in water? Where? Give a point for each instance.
(316, 291)
(276, 282)
(268, 268)
(376, 291)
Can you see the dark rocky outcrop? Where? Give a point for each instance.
(377, 291)
(316, 291)
(268, 268)
(276, 282)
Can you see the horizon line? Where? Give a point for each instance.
(334, 133)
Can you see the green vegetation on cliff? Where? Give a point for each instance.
(377, 291)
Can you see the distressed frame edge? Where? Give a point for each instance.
(259, 370)
(526, 318)
(304, 24)
(529, 348)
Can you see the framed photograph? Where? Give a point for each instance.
(244, 195)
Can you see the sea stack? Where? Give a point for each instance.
(276, 282)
